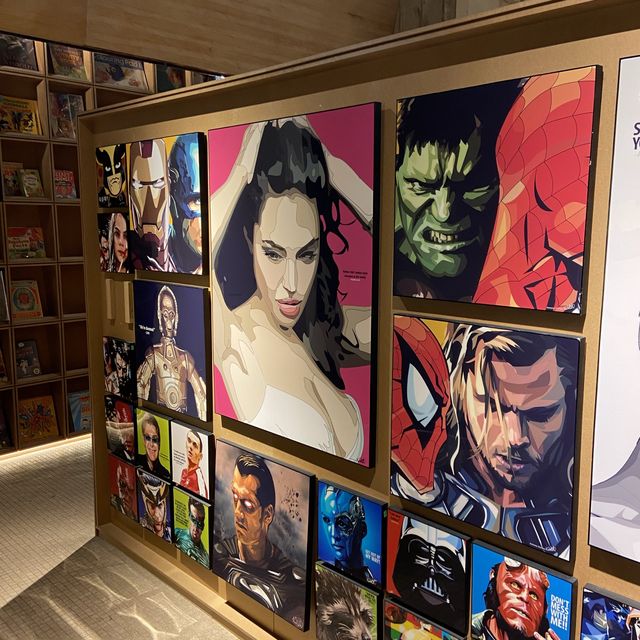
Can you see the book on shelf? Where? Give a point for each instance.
(27, 360)
(10, 181)
(30, 183)
(17, 52)
(19, 115)
(64, 109)
(80, 411)
(64, 184)
(4, 302)
(25, 242)
(169, 78)
(198, 77)
(3, 369)
(120, 72)
(66, 61)
(36, 419)
(5, 431)
(25, 300)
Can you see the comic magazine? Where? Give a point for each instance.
(36, 419)
(25, 242)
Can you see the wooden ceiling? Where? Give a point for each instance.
(229, 36)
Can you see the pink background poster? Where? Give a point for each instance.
(348, 134)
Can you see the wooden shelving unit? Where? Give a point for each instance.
(61, 334)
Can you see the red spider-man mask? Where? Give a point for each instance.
(420, 400)
(543, 155)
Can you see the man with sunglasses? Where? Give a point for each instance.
(149, 457)
(189, 540)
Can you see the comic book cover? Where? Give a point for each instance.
(154, 504)
(25, 300)
(192, 458)
(122, 487)
(351, 530)
(192, 526)
(428, 569)
(265, 505)
(120, 427)
(344, 607)
(119, 376)
(401, 623)
(27, 361)
(64, 184)
(36, 419)
(19, 115)
(17, 52)
(25, 242)
(153, 444)
(60, 116)
(111, 175)
(169, 77)
(10, 181)
(117, 71)
(498, 608)
(30, 183)
(3, 369)
(80, 411)
(607, 615)
(4, 302)
(66, 61)
(198, 77)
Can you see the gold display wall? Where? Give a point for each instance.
(524, 42)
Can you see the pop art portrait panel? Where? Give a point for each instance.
(170, 346)
(261, 531)
(113, 242)
(111, 174)
(345, 608)
(497, 604)
(606, 615)
(401, 623)
(294, 276)
(122, 487)
(154, 504)
(428, 569)
(165, 175)
(469, 443)
(192, 453)
(492, 186)
(120, 426)
(350, 533)
(615, 477)
(118, 361)
(154, 444)
(191, 526)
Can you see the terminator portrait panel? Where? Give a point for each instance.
(350, 533)
(499, 609)
(122, 487)
(428, 569)
(483, 427)
(170, 346)
(491, 191)
(262, 531)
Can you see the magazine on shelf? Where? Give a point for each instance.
(27, 360)
(64, 184)
(10, 181)
(25, 242)
(120, 72)
(3, 368)
(17, 52)
(4, 303)
(25, 300)
(169, 78)
(18, 115)
(30, 183)
(64, 109)
(36, 419)
(67, 61)
(80, 411)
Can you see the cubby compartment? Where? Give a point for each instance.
(30, 214)
(80, 406)
(75, 347)
(69, 232)
(27, 87)
(72, 283)
(41, 413)
(65, 163)
(46, 278)
(29, 154)
(8, 430)
(8, 358)
(45, 340)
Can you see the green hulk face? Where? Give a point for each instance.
(442, 194)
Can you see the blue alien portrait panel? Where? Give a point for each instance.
(428, 569)
(165, 175)
(350, 530)
(607, 616)
(512, 598)
(170, 346)
(261, 531)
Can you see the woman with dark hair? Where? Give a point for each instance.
(118, 246)
(281, 334)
